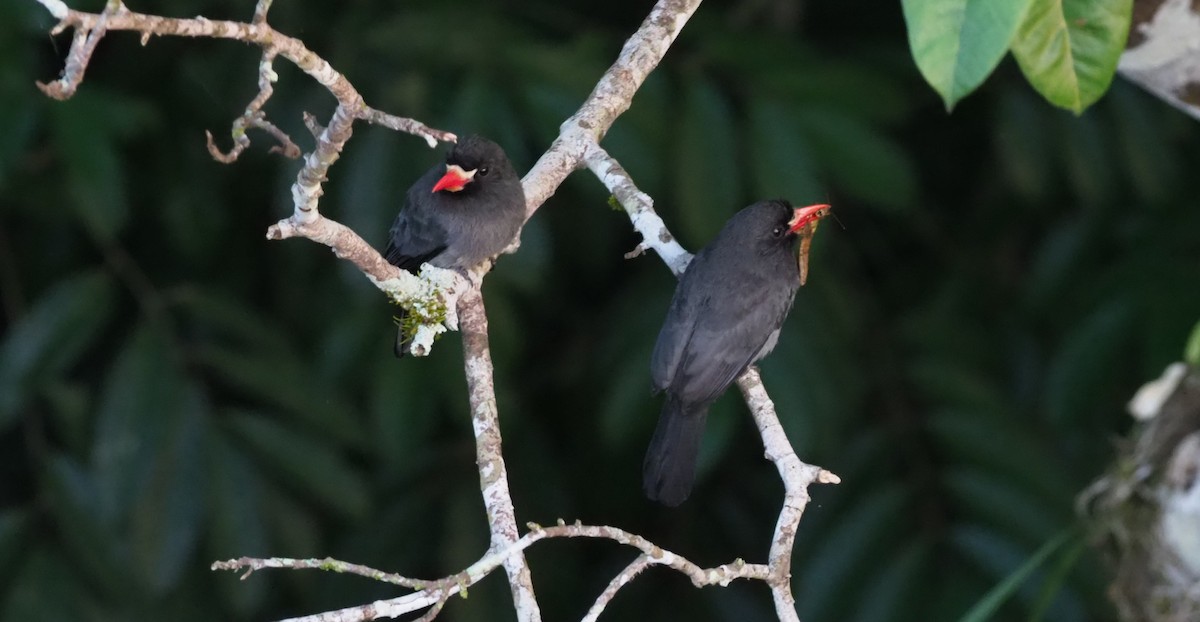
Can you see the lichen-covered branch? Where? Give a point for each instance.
(611, 97)
(577, 144)
(489, 457)
(640, 208)
(796, 475)
(433, 593)
(306, 220)
(1161, 54)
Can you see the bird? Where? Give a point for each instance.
(726, 314)
(458, 214)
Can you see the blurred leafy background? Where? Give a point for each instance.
(174, 389)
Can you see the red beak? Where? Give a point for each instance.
(804, 215)
(454, 179)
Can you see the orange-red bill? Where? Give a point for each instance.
(454, 179)
(804, 223)
(805, 215)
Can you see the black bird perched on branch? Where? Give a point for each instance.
(726, 314)
(458, 214)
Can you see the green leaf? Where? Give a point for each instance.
(957, 43)
(95, 174)
(167, 518)
(88, 535)
(859, 159)
(47, 587)
(1191, 353)
(990, 603)
(1081, 378)
(1068, 49)
(51, 337)
(14, 530)
(138, 408)
(849, 549)
(236, 525)
(278, 380)
(706, 174)
(304, 464)
(781, 161)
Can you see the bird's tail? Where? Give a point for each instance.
(401, 347)
(670, 464)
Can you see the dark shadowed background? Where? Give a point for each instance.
(175, 389)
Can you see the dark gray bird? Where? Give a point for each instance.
(458, 214)
(726, 314)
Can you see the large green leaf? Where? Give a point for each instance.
(706, 170)
(89, 537)
(781, 161)
(138, 408)
(957, 43)
(235, 525)
(1191, 352)
(991, 602)
(278, 380)
(1069, 49)
(303, 464)
(50, 337)
(14, 531)
(46, 588)
(167, 517)
(860, 160)
(849, 549)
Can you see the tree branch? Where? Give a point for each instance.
(577, 143)
(430, 593)
(493, 476)
(306, 220)
(796, 475)
(611, 97)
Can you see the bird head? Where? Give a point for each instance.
(473, 160)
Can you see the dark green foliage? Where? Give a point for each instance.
(174, 389)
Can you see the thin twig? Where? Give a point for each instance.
(640, 563)
(251, 564)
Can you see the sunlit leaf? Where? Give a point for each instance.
(1191, 352)
(1069, 49)
(957, 43)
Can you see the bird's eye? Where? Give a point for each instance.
(777, 231)
(483, 172)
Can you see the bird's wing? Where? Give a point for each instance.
(673, 339)
(727, 336)
(415, 237)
